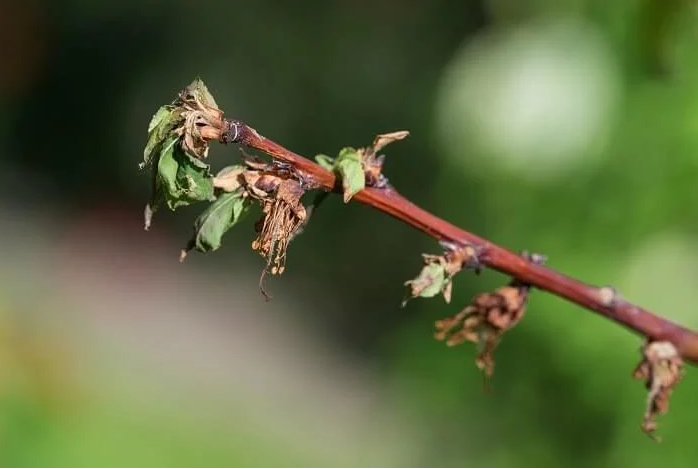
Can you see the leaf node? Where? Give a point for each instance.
(359, 168)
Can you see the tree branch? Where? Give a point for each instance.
(602, 300)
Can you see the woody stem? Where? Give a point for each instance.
(389, 201)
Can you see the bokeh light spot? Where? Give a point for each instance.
(536, 101)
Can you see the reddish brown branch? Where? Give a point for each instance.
(601, 300)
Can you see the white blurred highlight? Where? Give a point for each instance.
(535, 101)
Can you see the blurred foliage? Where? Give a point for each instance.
(542, 125)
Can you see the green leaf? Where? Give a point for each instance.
(182, 179)
(193, 181)
(325, 161)
(156, 199)
(430, 282)
(195, 177)
(351, 171)
(167, 167)
(161, 114)
(217, 219)
(161, 125)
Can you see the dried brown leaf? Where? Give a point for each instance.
(484, 321)
(384, 139)
(488, 316)
(267, 183)
(372, 165)
(229, 179)
(372, 162)
(661, 368)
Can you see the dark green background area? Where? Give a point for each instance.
(79, 81)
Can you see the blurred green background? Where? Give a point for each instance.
(563, 127)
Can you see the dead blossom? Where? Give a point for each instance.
(282, 215)
(278, 192)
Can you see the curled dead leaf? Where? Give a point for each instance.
(488, 316)
(254, 162)
(661, 368)
(384, 139)
(372, 162)
(484, 321)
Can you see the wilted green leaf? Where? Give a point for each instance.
(199, 90)
(167, 167)
(325, 161)
(156, 199)
(218, 218)
(179, 179)
(159, 116)
(351, 171)
(163, 123)
(194, 182)
(431, 281)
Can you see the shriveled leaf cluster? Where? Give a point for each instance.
(661, 368)
(485, 320)
(175, 150)
(358, 168)
(437, 274)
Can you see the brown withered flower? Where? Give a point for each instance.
(282, 214)
(278, 190)
(487, 318)
(662, 369)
